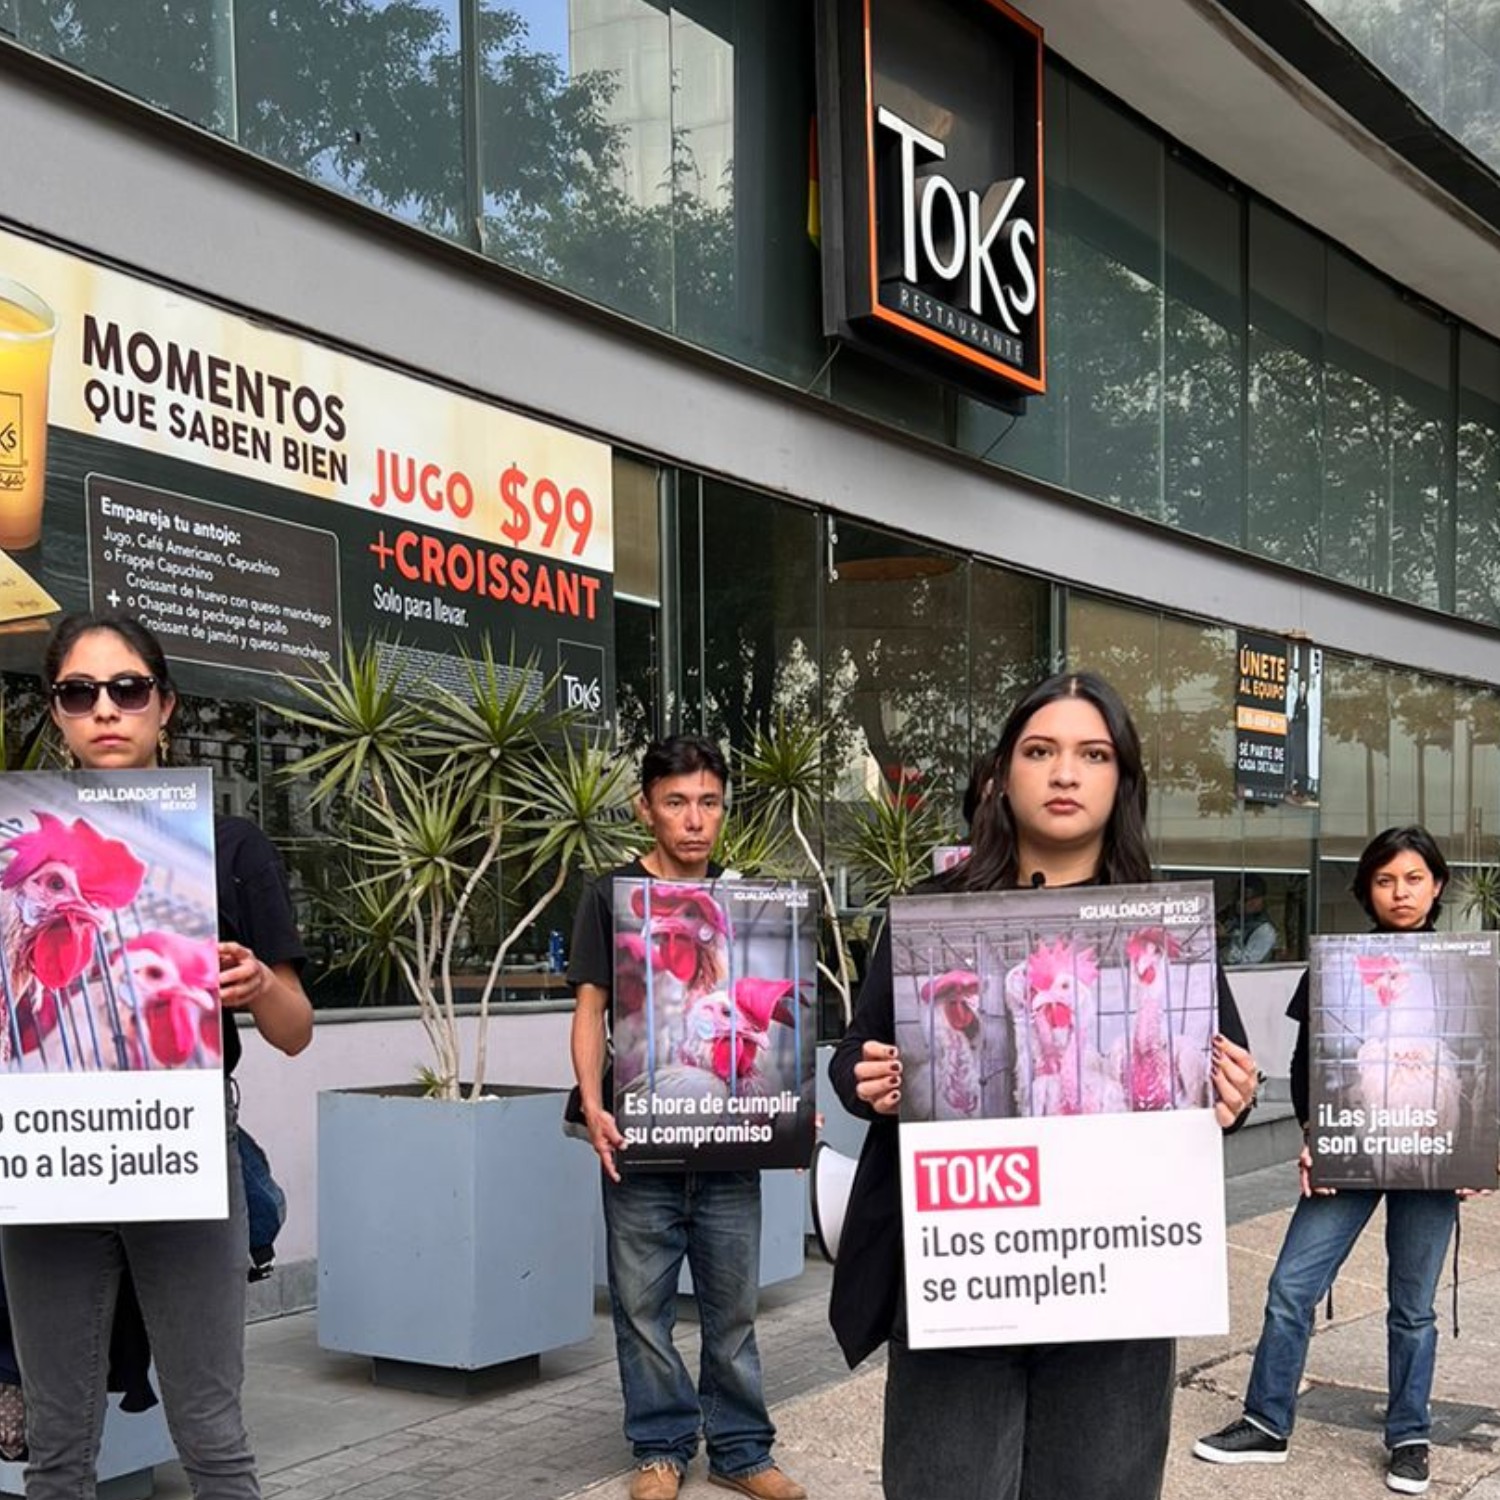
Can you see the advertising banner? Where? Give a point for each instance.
(1278, 719)
(110, 1048)
(1056, 1129)
(252, 496)
(714, 1041)
(1402, 1042)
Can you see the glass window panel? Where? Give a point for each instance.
(1177, 677)
(1421, 421)
(749, 605)
(1205, 339)
(745, 272)
(637, 525)
(1286, 387)
(896, 672)
(1406, 44)
(1402, 747)
(1356, 433)
(1478, 552)
(575, 146)
(1010, 645)
(1111, 305)
(637, 675)
(175, 54)
(1036, 442)
(362, 96)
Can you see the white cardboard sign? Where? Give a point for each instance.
(1064, 1229)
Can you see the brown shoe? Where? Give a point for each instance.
(764, 1484)
(656, 1480)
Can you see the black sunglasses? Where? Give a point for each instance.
(130, 692)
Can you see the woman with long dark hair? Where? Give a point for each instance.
(1399, 882)
(113, 700)
(1065, 806)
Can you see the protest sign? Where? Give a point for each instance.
(1056, 1052)
(113, 1100)
(1022, 1231)
(714, 1041)
(1402, 1052)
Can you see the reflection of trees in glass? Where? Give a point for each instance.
(173, 54)
(1478, 560)
(362, 95)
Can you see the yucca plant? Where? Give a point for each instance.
(1479, 895)
(785, 772)
(889, 841)
(436, 786)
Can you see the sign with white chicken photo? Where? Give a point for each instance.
(112, 1102)
(714, 1041)
(1062, 1171)
(1402, 1039)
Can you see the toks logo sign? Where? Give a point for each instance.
(931, 184)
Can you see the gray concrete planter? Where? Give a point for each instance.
(132, 1445)
(453, 1237)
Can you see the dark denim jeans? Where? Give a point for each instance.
(1418, 1226)
(1034, 1422)
(713, 1218)
(190, 1278)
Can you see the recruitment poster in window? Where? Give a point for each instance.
(1062, 1169)
(1278, 719)
(111, 1055)
(254, 496)
(713, 1023)
(1405, 1092)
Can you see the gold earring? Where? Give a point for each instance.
(163, 744)
(69, 760)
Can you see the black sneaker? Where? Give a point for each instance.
(1242, 1442)
(1407, 1471)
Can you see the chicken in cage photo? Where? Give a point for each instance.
(108, 926)
(1402, 1048)
(713, 1032)
(1036, 1003)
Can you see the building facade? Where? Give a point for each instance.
(1272, 406)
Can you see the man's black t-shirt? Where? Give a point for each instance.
(255, 907)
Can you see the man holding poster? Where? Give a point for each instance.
(655, 1219)
(1045, 1416)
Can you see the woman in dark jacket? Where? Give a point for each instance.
(1066, 806)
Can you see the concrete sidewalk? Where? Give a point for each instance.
(322, 1430)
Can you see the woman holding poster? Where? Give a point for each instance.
(1066, 807)
(112, 700)
(1399, 882)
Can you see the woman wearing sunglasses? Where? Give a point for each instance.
(112, 701)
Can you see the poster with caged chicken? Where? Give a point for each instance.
(110, 1045)
(1403, 1087)
(1062, 1173)
(713, 1024)
(1071, 1002)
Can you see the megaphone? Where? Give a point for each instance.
(832, 1178)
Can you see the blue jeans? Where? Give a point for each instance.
(654, 1219)
(1031, 1422)
(190, 1278)
(1323, 1230)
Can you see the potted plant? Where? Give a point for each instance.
(449, 1210)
